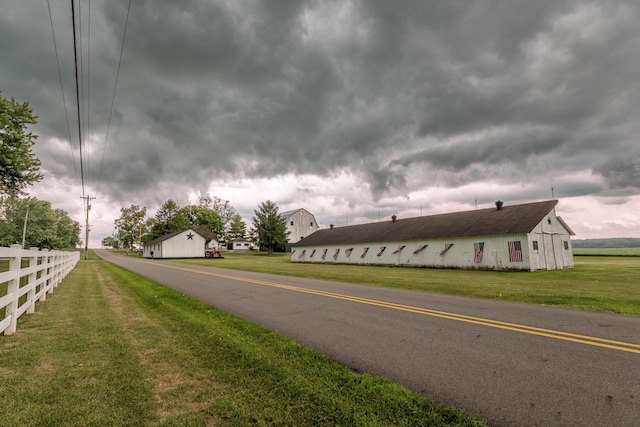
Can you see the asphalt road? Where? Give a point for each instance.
(510, 364)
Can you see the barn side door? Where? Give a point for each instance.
(549, 252)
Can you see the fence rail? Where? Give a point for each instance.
(27, 276)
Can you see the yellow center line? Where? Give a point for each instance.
(531, 330)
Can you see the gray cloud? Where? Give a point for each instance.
(453, 92)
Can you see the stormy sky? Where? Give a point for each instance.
(354, 110)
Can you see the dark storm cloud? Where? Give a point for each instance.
(453, 91)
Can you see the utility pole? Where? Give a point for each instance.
(86, 239)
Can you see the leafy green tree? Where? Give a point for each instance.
(130, 224)
(18, 164)
(67, 230)
(224, 209)
(46, 228)
(237, 228)
(270, 227)
(110, 242)
(203, 219)
(147, 230)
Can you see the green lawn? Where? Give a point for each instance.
(110, 348)
(596, 283)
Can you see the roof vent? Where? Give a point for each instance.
(499, 204)
(393, 218)
(331, 226)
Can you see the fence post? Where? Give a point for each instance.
(57, 267)
(48, 257)
(31, 279)
(12, 288)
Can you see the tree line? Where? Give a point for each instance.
(212, 217)
(27, 220)
(613, 243)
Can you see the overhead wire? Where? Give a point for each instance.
(75, 56)
(113, 98)
(64, 101)
(83, 109)
(88, 103)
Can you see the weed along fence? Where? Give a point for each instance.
(27, 276)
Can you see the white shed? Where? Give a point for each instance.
(181, 244)
(526, 237)
(239, 245)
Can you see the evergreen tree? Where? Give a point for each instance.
(237, 228)
(270, 226)
(169, 219)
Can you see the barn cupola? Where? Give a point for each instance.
(499, 204)
(393, 218)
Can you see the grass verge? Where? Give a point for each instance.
(111, 348)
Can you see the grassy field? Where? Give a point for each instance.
(109, 348)
(607, 251)
(596, 283)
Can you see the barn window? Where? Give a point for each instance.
(535, 245)
(291, 222)
(311, 224)
(566, 245)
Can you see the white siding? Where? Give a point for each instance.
(178, 246)
(460, 255)
(300, 224)
(554, 245)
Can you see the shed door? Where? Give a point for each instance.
(549, 252)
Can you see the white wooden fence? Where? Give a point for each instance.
(33, 273)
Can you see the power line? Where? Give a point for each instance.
(64, 101)
(75, 57)
(113, 98)
(88, 106)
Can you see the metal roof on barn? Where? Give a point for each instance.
(514, 219)
(288, 214)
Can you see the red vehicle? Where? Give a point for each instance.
(213, 253)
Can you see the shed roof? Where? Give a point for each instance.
(480, 222)
(170, 235)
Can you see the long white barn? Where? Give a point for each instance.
(526, 237)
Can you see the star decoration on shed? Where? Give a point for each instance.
(189, 236)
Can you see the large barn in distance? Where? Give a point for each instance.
(526, 237)
(300, 224)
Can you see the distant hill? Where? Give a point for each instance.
(622, 242)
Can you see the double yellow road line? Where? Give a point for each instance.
(515, 327)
